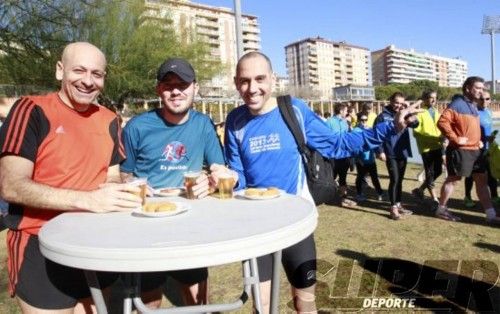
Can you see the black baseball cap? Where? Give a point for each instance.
(178, 66)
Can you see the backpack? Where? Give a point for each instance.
(318, 169)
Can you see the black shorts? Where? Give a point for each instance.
(299, 262)
(47, 285)
(153, 280)
(464, 162)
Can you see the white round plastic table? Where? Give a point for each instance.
(212, 232)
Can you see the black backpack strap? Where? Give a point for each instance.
(288, 114)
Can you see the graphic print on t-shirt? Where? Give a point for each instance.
(174, 152)
(264, 143)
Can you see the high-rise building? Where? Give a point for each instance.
(394, 65)
(316, 65)
(216, 26)
(489, 86)
(281, 85)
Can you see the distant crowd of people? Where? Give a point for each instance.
(455, 141)
(62, 152)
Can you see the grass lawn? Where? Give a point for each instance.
(364, 255)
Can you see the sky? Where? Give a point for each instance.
(448, 28)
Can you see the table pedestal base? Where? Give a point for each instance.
(250, 286)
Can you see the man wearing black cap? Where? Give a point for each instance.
(161, 145)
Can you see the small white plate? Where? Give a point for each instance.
(241, 193)
(169, 191)
(180, 208)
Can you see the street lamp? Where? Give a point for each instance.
(239, 33)
(491, 25)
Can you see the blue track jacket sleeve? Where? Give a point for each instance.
(233, 158)
(340, 145)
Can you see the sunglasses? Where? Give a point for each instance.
(363, 120)
(485, 98)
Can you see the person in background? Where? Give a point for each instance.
(161, 145)
(459, 122)
(220, 129)
(396, 150)
(487, 136)
(365, 164)
(430, 145)
(367, 109)
(5, 105)
(60, 152)
(318, 113)
(351, 117)
(339, 124)
(263, 152)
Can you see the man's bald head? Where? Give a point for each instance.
(253, 54)
(71, 51)
(82, 70)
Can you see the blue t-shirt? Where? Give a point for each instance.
(366, 157)
(263, 152)
(337, 124)
(162, 152)
(486, 124)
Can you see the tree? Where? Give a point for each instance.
(384, 92)
(414, 90)
(135, 39)
(32, 34)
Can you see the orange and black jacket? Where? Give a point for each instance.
(461, 119)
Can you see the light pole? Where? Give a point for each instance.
(239, 33)
(491, 25)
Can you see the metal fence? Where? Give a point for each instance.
(218, 109)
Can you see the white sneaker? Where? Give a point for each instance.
(443, 213)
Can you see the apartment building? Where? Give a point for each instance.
(489, 86)
(215, 25)
(316, 65)
(281, 85)
(394, 65)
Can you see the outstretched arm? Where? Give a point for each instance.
(342, 145)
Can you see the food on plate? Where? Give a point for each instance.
(253, 192)
(262, 192)
(159, 207)
(171, 191)
(271, 192)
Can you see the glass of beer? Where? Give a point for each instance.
(190, 180)
(225, 186)
(142, 183)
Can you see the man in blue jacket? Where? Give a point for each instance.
(487, 136)
(263, 152)
(338, 124)
(397, 149)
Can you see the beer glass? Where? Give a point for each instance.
(142, 183)
(190, 180)
(225, 186)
